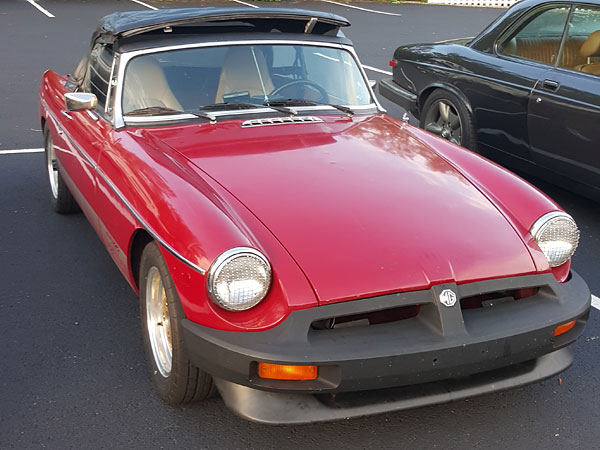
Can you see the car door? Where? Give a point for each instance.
(527, 49)
(564, 108)
(115, 223)
(87, 130)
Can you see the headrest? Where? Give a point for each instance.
(147, 68)
(591, 46)
(146, 86)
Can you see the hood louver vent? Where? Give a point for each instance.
(280, 121)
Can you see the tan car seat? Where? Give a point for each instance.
(545, 50)
(146, 86)
(591, 49)
(240, 74)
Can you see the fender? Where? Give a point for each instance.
(192, 227)
(428, 89)
(411, 58)
(194, 220)
(520, 202)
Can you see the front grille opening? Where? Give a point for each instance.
(368, 318)
(491, 299)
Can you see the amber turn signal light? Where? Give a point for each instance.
(283, 372)
(562, 329)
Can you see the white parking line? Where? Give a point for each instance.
(363, 9)
(44, 11)
(596, 302)
(375, 69)
(244, 3)
(22, 150)
(144, 4)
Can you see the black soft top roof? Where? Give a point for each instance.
(131, 23)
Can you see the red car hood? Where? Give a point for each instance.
(363, 207)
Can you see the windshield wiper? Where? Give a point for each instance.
(152, 110)
(293, 102)
(162, 110)
(342, 108)
(226, 106)
(283, 109)
(302, 102)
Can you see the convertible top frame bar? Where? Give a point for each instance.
(287, 20)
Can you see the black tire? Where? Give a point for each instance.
(447, 115)
(184, 383)
(61, 199)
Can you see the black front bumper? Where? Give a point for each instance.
(472, 350)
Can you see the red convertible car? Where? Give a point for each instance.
(294, 247)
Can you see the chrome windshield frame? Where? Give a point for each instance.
(120, 121)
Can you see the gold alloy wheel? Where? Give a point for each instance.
(158, 322)
(52, 165)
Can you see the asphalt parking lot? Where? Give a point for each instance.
(72, 371)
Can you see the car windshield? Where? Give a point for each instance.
(196, 78)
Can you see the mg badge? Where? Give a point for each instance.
(448, 297)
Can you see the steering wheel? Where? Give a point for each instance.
(317, 87)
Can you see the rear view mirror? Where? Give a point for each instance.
(79, 101)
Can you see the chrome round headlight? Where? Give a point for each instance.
(239, 279)
(557, 236)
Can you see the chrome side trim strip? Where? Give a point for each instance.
(120, 196)
(101, 224)
(147, 227)
(62, 130)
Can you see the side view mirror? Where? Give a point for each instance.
(372, 83)
(79, 101)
